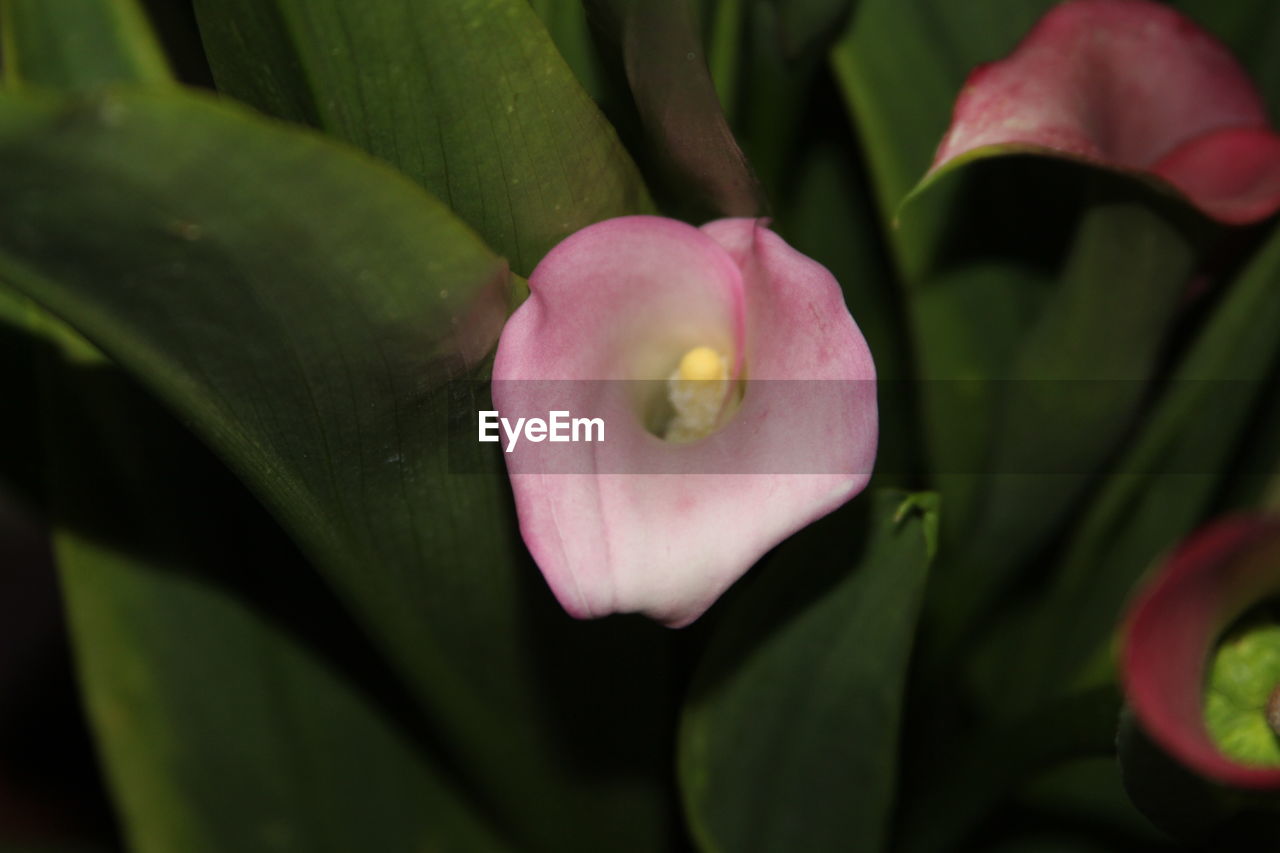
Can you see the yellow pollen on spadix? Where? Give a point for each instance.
(697, 390)
(703, 363)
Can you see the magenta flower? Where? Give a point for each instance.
(1174, 626)
(1132, 85)
(756, 416)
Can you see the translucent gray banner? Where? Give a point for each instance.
(1066, 427)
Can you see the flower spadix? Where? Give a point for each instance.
(738, 402)
(700, 393)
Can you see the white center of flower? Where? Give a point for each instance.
(697, 390)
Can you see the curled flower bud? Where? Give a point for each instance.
(1172, 652)
(1131, 85)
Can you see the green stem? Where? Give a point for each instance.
(722, 54)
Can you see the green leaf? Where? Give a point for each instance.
(928, 49)
(1254, 479)
(1024, 292)
(471, 100)
(19, 428)
(1080, 375)
(1193, 810)
(217, 673)
(808, 24)
(174, 581)
(790, 739)
(300, 307)
(1090, 792)
(59, 44)
(973, 284)
(69, 45)
(724, 47)
(962, 783)
(784, 98)
(75, 44)
(567, 24)
(1063, 841)
(1161, 488)
(979, 301)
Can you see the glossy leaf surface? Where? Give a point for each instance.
(790, 739)
(472, 100)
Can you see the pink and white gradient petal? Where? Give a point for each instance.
(645, 525)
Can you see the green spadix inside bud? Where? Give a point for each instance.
(1240, 693)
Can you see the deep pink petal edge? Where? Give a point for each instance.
(1173, 627)
(1129, 84)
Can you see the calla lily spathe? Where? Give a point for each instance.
(1173, 627)
(642, 523)
(1134, 85)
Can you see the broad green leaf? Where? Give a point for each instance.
(64, 44)
(724, 52)
(1195, 811)
(959, 785)
(972, 286)
(1064, 841)
(790, 739)
(1161, 488)
(175, 583)
(470, 99)
(18, 428)
(809, 24)
(567, 24)
(78, 43)
(781, 101)
(300, 307)
(996, 299)
(218, 674)
(1254, 480)
(51, 846)
(1090, 792)
(1079, 376)
(928, 49)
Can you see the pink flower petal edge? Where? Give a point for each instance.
(1173, 627)
(1129, 84)
(623, 299)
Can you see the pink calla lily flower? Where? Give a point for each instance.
(1132, 85)
(1173, 627)
(769, 398)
